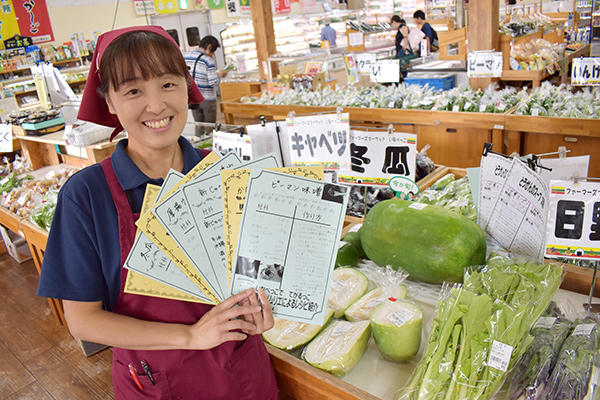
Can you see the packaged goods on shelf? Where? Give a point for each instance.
(85, 133)
(560, 101)
(451, 194)
(538, 54)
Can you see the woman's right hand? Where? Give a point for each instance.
(224, 322)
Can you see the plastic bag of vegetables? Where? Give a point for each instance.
(532, 373)
(575, 375)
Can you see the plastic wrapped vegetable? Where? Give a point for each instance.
(397, 326)
(289, 335)
(339, 347)
(577, 363)
(389, 286)
(347, 285)
(532, 373)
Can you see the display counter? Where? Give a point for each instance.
(456, 138)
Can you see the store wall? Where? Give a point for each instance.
(68, 19)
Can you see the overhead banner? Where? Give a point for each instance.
(26, 18)
(215, 4)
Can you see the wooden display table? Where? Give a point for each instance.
(234, 90)
(456, 138)
(41, 150)
(539, 135)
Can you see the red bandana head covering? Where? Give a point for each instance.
(93, 107)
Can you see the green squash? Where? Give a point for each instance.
(430, 243)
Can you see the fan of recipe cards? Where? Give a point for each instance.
(227, 226)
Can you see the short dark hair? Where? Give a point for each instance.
(139, 52)
(396, 18)
(419, 14)
(211, 41)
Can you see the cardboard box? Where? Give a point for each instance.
(15, 245)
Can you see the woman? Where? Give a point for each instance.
(139, 82)
(402, 44)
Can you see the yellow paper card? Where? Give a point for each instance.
(137, 283)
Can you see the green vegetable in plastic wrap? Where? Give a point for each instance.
(42, 216)
(12, 181)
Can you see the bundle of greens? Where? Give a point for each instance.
(452, 194)
(575, 375)
(532, 373)
(11, 181)
(481, 330)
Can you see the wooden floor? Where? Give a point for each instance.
(39, 359)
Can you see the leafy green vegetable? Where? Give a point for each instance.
(12, 181)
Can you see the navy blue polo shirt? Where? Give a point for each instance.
(82, 261)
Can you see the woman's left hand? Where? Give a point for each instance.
(263, 320)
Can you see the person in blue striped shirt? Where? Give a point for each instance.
(206, 75)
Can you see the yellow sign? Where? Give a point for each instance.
(9, 26)
(166, 6)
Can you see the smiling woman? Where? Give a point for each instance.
(139, 82)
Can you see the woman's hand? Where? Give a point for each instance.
(234, 319)
(263, 320)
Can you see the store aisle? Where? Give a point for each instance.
(38, 358)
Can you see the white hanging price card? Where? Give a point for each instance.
(385, 71)
(492, 175)
(484, 64)
(574, 220)
(364, 62)
(6, 143)
(356, 39)
(586, 71)
(320, 140)
(377, 157)
(225, 142)
(518, 220)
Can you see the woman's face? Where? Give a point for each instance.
(153, 112)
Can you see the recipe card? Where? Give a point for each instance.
(287, 242)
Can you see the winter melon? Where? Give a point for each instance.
(288, 335)
(339, 347)
(361, 309)
(347, 285)
(397, 329)
(430, 243)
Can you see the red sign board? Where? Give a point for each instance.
(33, 19)
(282, 6)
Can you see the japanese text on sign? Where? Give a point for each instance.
(574, 220)
(376, 157)
(385, 71)
(484, 65)
(586, 71)
(320, 140)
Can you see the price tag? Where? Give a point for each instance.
(586, 71)
(500, 355)
(583, 330)
(484, 64)
(342, 329)
(545, 322)
(312, 67)
(354, 228)
(385, 71)
(355, 39)
(400, 317)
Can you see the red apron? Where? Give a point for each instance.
(231, 371)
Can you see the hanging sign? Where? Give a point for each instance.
(586, 71)
(17, 41)
(165, 6)
(356, 39)
(233, 8)
(574, 220)
(33, 20)
(385, 71)
(377, 157)
(282, 6)
(351, 69)
(405, 188)
(145, 7)
(9, 26)
(245, 9)
(6, 143)
(225, 142)
(364, 62)
(519, 217)
(484, 64)
(320, 140)
(215, 4)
